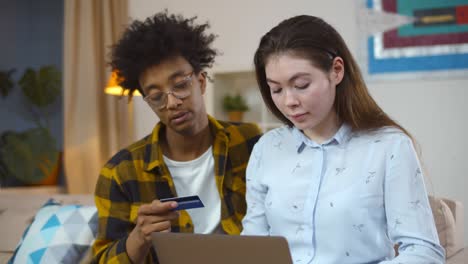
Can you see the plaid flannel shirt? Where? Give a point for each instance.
(137, 175)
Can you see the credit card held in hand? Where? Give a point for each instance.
(185, 202)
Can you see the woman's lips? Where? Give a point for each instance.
(298, 117)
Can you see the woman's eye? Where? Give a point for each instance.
(276, 90)
(301, 86)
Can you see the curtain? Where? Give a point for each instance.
(96, 125)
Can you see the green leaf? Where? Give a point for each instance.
(234, 103)
(29, 156)
(6, 82)
(42, 87)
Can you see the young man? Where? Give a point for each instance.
(187, 153)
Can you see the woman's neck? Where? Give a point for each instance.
(325, 130)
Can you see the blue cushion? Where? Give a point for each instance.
(58, 234)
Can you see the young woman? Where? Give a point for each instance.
(341, 181)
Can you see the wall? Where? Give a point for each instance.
(434, 111)
(31, 36)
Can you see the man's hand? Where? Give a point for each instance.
(153, 217)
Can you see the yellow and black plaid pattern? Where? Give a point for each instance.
(138, 175)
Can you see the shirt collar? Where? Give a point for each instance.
(153, 153)
(341, 136)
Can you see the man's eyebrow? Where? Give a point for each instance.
(150, 87)
(294, 77)
(174, 75)
(178, 73)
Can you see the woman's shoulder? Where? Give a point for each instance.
(279, 132)
(388, 134)
(274, 136)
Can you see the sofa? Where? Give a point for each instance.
(17, 211)
(449, 220)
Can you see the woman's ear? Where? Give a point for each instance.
(337, 71)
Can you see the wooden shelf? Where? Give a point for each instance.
(245, 84)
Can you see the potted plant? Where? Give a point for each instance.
(6, 82)
(235, 106)
(32, 156)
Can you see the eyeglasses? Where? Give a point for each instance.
(180, 90)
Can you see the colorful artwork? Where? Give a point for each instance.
(431, 35)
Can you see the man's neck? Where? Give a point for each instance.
(182, 147)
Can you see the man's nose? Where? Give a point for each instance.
(172, 100)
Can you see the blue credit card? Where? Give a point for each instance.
(186, 202)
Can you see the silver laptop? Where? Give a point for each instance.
(183, 248)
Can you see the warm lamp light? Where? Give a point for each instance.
(114, 88)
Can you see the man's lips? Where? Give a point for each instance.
(179, 117)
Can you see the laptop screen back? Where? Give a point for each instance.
(182, 248)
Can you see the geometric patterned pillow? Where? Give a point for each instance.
(58, 234)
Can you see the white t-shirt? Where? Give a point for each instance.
(196, 177)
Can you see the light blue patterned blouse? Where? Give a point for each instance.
(348, 200)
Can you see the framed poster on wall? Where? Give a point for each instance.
(412, 39)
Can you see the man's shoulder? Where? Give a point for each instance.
(246, 130)
(132, 152)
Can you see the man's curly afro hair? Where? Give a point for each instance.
(160, 37)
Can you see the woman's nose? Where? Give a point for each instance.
(290, 99)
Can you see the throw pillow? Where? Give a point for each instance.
(58, 234)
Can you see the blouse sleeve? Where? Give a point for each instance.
(255, 222)
(410, 222)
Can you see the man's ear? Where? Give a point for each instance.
(337, 71)
(202, 79)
